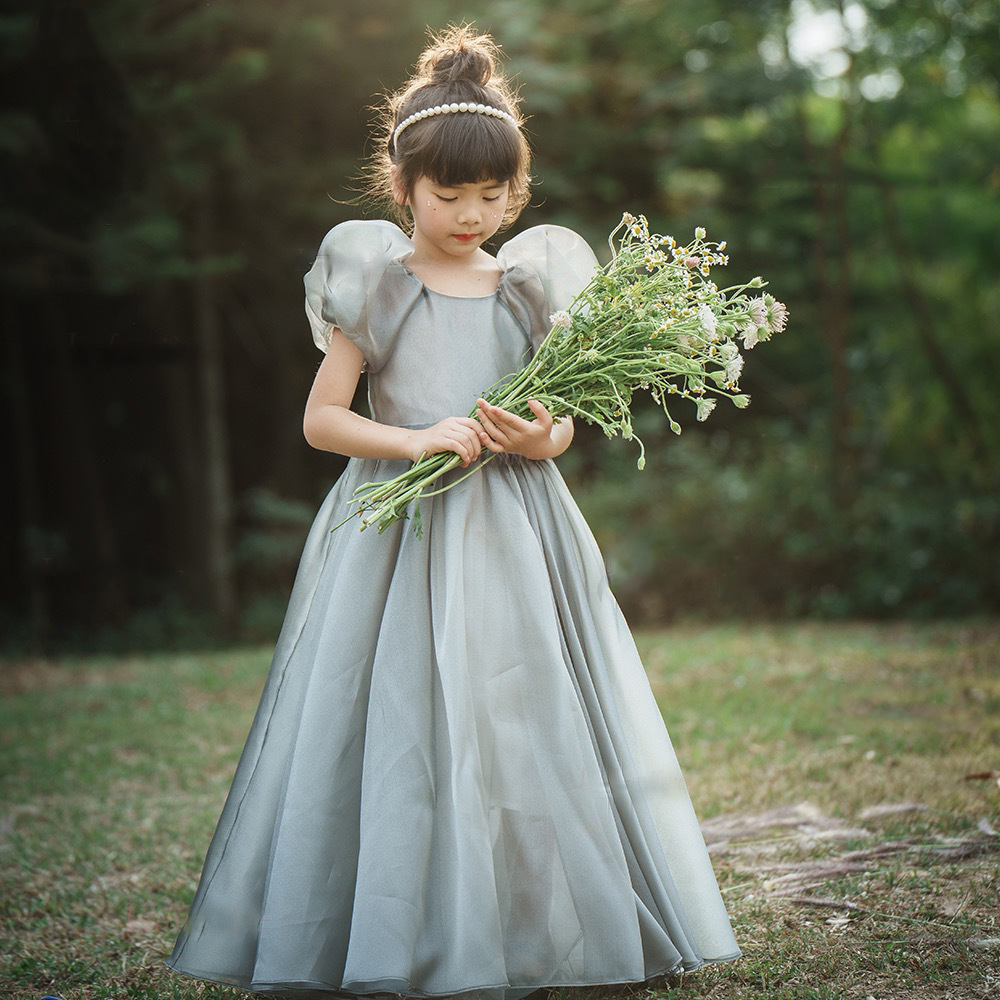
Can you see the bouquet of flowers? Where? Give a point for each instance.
(652, 320)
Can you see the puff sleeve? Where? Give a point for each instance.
(556, 265)
(343, 283)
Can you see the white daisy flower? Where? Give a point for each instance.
(777, 314)
(758, 311)
(708, 322)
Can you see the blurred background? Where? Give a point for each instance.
(169, 169)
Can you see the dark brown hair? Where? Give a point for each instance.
(458, 65)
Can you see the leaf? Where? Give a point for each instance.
(838, 923)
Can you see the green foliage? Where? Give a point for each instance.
(867, 481)
(730, 524)
(152, 145)
(266, 554)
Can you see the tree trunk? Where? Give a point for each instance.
(211, 382)
(25, 481)
(834, 281)
(184, 523)
(103, 565)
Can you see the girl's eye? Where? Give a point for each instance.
(450, 200)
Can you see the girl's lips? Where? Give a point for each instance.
(465, 237)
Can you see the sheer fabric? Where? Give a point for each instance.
(457, 780)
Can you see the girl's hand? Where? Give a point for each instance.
(516, 436)
(462, 435)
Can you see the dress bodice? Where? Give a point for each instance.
(430, 355)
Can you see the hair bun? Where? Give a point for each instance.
(462, 64)
(459, 53)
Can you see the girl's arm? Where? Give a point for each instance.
(330, 424)
(540, 438)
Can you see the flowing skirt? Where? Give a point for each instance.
(457, 780)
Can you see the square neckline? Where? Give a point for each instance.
(403, 258)
(446, 295)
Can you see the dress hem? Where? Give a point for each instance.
(315, 987)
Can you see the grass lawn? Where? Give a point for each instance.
(830, 764)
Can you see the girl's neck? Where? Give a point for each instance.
(474, 276)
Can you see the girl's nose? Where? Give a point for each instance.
(470, 213)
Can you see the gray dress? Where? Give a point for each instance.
(457, 780)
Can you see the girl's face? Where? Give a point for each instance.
(455, 221)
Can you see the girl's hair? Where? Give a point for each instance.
(458, 65)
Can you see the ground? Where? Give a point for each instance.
(848, 777)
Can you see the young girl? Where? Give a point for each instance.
(457, 780)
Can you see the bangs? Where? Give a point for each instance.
(465, 149)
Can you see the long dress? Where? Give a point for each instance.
(457, 780)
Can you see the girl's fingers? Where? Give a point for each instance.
(514, 423)
(492, 437)
(499, 421)
(462, 436)
(467, 441)
(495, 432)
(543, 415)
(511, 433)
(466, 450)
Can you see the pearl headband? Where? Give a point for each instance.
(446, 109)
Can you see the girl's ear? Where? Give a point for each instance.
(398, 192)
